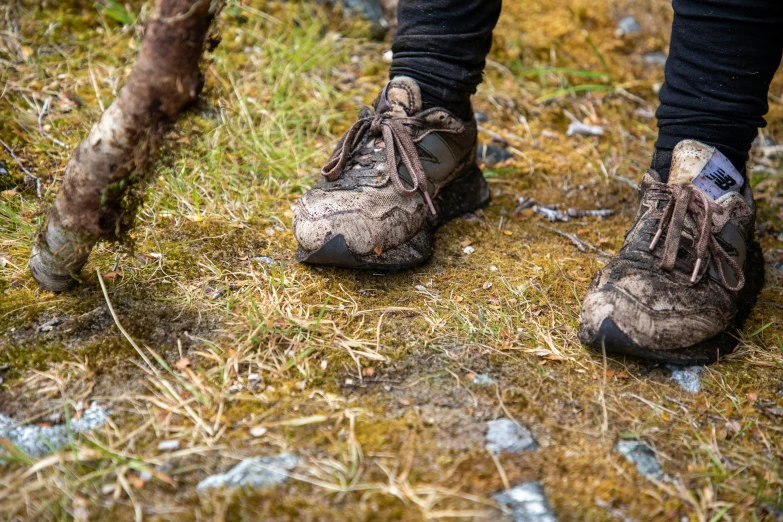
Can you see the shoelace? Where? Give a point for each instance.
(686, 200)
(397, 138)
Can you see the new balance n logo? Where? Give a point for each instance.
(721, 179)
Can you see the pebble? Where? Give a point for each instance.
(491, 155)
(688, 377)
(258, 431)
(642, 456)
(6, 182)
(655, 58)
(527, 502)
(168, 445)
(256, 472)
(505, 435)
(37, 441)
(263, 259)
(483, 379)
(468, 250)
(481, 117)
(577, 127)
(628, 25)
(388, 56)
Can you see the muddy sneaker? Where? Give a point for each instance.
(690, 269)
(397, 174)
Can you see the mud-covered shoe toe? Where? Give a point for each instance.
(366, 226)
(646, 312)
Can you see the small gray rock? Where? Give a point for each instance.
(655, 58)
(256, 472)
(688, 377)
(483, 379)
(263, 259)
(481, 117)
(36, 441)
(490, 155)
(577, 127)
(642, 456)
(506, 435)
(528, 503)
(6, 182)
(628, 25)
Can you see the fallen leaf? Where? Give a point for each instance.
(378, 249)
(138, 483)
(182, 363)
(368, 372)
(487, 285)
(470, 376)
(110, 276)
(405, 402)
(458, 299)
(465, 243)
(507, 232)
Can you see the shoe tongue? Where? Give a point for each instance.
(402, 95)
(705, 167)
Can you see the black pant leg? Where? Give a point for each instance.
(722, 58)
(443, 44)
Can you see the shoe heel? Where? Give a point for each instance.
(461, 196)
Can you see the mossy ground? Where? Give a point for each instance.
(365, 376)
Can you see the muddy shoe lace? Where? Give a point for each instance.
(684, 200)
(396, 133)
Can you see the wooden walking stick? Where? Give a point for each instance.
(94, 203)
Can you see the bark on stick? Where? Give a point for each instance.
(164, 82)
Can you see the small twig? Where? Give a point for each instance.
(501, 471)
(97, 92)
(500, 138)
(505, 410)
(770, 303)
(44, 111)
(551, 214)
(494, 135)
(581, 245)
(577, 213)
(24, 169)
(119, 325)
(632, 97)
(625, 180)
